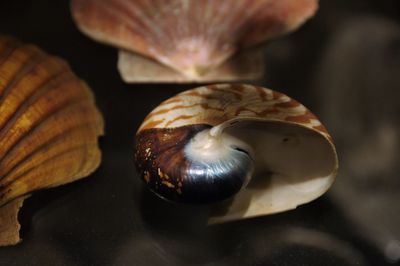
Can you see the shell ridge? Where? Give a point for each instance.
(31, 97)
(34, 124)
(148, 24)
(33, 60)
(21, 110)
(235, 16)
(19, 81)
(16, 173)
(121, 13)
(99, 34)
(24, 177)
(40, 148)
(154, 26)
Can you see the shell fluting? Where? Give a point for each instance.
(187, 35)
(49, 124)
(203, 145)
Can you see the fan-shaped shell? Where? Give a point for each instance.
(294, 155)
(189, 36)
(49, 126)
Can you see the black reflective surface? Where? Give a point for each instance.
(344, 65)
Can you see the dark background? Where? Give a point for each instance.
(344, 65)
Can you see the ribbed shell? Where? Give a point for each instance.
(189, 36)
(49, 124)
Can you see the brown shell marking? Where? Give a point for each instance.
(49, 126)
(192, 137)
(159, 155)
(215, 104)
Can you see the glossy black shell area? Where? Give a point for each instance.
(168, 172)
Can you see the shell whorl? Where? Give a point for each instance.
(49, 124)
(205, 143)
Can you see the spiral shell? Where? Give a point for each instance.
(49, 126)
(203, 146)
(192, 37)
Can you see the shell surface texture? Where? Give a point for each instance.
(49, 128)
(255, 148)
(190, 36)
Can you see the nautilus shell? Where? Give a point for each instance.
(49, 126)
(191, 37)
(255, 148)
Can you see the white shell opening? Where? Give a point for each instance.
(206, 147)
(293, 165)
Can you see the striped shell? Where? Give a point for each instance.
(49, 126)
(293, 155)
(189, 36)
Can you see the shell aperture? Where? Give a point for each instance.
(272, 153)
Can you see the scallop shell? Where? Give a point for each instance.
(295, 159)
(191, 37)
(49, 126)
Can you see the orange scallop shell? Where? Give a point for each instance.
(49, 126)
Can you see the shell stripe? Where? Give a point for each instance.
(13, 112)
(18, 126)
(217, 103)
(15, 77)
(45, 172)
(176, 107)
(30, 91)
(17, 154)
